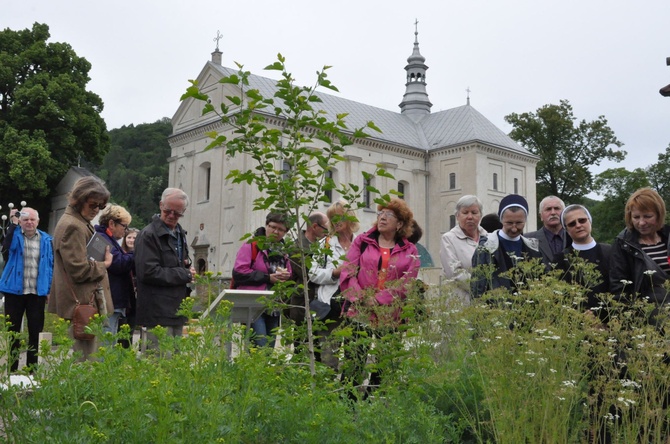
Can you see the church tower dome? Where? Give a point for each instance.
(415, 102)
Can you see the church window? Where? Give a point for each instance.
(402, 189)
(452, 181)
(204, 181)
(329, 192)
(452, 221)
(516, 186)
(495, 181)
(367, 195)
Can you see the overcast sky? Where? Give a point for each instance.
(607, 57)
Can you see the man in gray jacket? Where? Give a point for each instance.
(552, 236)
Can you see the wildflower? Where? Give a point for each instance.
(650, 272)
(629, 383)
(625, 282)
(560, 399)
(552, 370)
(530, 375)
(569, 383)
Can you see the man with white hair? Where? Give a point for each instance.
(26, 280)
(163, 267)
(552, 236)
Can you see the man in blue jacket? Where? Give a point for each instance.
(26, 280)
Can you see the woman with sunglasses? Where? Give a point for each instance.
(576, 221)
(76, 277)
(114, 222)
(640, 252)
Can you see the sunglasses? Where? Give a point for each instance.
(95, 206)
(581, 220)
(322, 227)
(174, 213)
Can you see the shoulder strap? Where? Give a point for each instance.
(254, 251)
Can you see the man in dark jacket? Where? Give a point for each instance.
(163, 267)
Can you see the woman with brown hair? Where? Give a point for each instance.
(639, 261)
(76, 277)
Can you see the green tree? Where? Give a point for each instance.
(48, 120)
(296, 190)
(135, 168)
(616, 185)
(659, 175)
(566, 149)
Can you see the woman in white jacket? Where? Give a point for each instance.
(458, 245)
(326, 268)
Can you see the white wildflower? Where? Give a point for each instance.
(553, 370)
(629, 383)
(530, 375)
(569, 383)
(650, 272)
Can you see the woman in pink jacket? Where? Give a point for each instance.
(257, 269)
(381, 266)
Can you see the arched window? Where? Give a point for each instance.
(367, 195)
(328, 192)
(204, 181)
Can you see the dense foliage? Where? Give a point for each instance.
(48, 120)
(135, 169)
(566, 150)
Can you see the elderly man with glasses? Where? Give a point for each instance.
(163, 268)
(316, 228)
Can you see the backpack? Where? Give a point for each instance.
(254, 254)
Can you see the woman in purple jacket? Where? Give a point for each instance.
(113, 223)
(257, 269)
(381, 266)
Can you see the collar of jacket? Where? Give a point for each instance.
(632, 237)
(493, 242)
(372, 236)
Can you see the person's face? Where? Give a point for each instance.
(387, 222)
(645, 222)
(119, 227)
(275, 230)
(578, 226)
(29, 222)
(91, 208)
(171, 211)
(320, 229)
(341, 226)
(513, 222)
(551, 214)
(130, 240)
(468, 218)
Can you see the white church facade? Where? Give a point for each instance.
(435, 159)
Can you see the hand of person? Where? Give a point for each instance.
(193, 273)
(281, 274)
(337, 271)
(108, 257)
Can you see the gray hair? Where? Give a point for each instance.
(467, 201)
(175, 193)
(544, 201)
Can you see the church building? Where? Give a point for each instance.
(435, 159)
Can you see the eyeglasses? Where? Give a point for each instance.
(125, 226)
(581, 220)
(276, 228)
(174, 213)
(322, 227)
(386, 215)
(95, 206)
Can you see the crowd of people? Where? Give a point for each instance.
(145, 275)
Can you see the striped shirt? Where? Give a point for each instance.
(31, 262)
(659, 254)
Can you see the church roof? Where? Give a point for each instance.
(442, 129)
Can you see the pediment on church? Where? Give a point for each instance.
(189, 114)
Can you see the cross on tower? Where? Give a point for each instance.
(217, 38)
